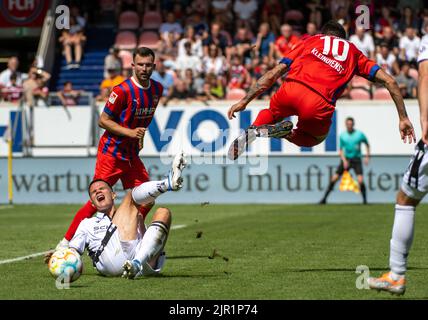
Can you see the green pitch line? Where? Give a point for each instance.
(226, 252)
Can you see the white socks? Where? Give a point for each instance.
(153, 241)
(402, 237)
(147, 192)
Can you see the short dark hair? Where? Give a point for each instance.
(334, 28)
(350, 119)
(143, 52)
(97, 180)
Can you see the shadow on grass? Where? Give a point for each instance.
(345, 269)
(162, 275)
(186, 257)
(189, 276)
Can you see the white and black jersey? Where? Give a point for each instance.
(108, 252)
(415, 179)
(423, 49)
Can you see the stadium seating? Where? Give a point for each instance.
(381, 94)
(129, 20)
(126, 40)
(152, 20)
(414, 73)
(148, 39)
(235, 94)
(107, 5)
(126, 57)
(359, 94)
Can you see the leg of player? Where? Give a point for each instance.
(394, 281)
(150, 248)
(87, 211)
(304, 139)
(265, 126)
(330, 188)
(146, 193)
(362, 188)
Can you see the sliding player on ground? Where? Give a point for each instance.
(117, 240)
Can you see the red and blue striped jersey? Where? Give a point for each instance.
(131, 106)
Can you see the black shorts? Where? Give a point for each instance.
(354, 163)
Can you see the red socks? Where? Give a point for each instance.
(87, 211)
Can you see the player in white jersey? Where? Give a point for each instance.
(413, 188)
(117, 239)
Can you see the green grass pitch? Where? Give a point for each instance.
(262, 252)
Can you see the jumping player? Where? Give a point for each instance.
(126, 116)
(413, 189)
(319, 68)
(117, 239)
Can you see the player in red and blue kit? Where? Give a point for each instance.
(126, 116)
(319, 68)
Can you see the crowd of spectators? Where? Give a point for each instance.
(210, 50)
(31, 86)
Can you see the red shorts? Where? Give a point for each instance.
(295, 99)
(131, 173)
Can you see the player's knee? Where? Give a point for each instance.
(404, 200)
(163, 214)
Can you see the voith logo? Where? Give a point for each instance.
(21, 12)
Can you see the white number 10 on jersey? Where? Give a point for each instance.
(335, 48)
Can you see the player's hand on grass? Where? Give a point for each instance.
(237, 107)
(137, 133)
(48, 256)
(406, 131)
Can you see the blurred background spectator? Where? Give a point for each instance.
(245, 11)
(364, 42)
(387, 60)
(188, 60)
(114, 78)
(195, 43)
(69, 96)
(113, 61)
(12, 68)
(12, 92)
(72, 41)
(285, 42)
(409, 46)
(35, 89)
(406, 83)
(214, 62)
(221, 11)
(265, 40)
(165, 78)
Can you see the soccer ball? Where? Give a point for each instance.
(65, 263)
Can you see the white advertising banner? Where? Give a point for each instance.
(273, 179)
(58, 126)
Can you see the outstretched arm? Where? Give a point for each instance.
(264, 83)
(405, 126)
